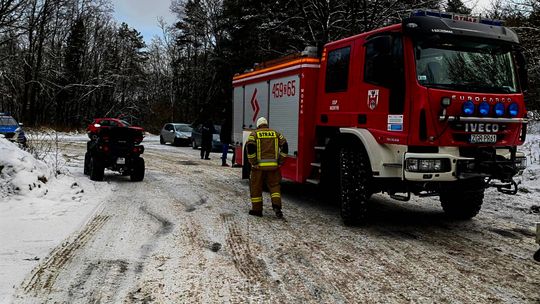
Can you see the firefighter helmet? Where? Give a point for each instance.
(261, 121)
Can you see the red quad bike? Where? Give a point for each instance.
(117, 149)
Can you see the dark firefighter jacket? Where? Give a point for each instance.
(266, 149)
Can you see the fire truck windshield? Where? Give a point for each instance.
(469, 66)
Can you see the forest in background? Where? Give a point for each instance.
(63, 62)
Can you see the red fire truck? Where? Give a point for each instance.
(433, 106)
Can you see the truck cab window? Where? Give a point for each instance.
(384, 66)
(470, 65)
(337, 70)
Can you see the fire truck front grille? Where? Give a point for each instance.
(485, 162)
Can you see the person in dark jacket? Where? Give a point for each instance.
(225, 138)
(208, 131)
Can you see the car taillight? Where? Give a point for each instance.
(105, 148)
(138, 149)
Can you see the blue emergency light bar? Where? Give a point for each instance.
(457, 17)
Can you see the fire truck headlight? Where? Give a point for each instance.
(513, 109)
(412, 165)
(483, 109)
(499, 109)
(427, 165)
(468, 108)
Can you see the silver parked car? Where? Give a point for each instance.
(176, 134)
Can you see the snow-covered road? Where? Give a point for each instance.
(183, 236)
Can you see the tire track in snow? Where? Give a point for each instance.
(44, 276)
(99, 282)
(261, 287)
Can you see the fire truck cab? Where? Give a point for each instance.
(432, 106)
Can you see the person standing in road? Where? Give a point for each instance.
(267, 150)
(207, 133)
(225, 138)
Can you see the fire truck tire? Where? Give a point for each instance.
(87, 159)
(97, 169)
(161, 140)
(137, 171)
(354, 179)
(464, 200)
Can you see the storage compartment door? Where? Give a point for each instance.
(284, 107)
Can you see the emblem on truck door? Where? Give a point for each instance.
(372, 99)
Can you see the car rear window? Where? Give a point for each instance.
(183, 128)
(108, 123)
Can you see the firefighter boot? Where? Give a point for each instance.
(256, 206)
(277, 210)
(256, 213)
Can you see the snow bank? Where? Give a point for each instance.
(38, 208)
(21, 173)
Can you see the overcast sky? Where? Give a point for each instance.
(143, 15)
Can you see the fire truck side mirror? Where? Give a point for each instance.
(445, 102)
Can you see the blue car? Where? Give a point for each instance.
(11, 129)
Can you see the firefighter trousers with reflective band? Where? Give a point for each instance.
(272, 178)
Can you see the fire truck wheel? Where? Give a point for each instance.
(137, 173)
(161, 140)
(96, 169)
(463, 200)
(354, 180)
(87, 159)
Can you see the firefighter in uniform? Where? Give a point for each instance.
(266, 151)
